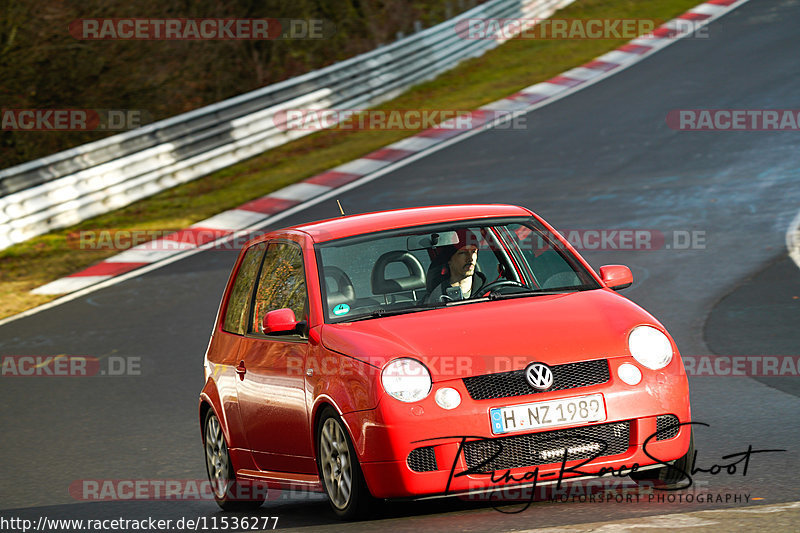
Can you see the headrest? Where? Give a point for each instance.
(413, 281)
(341, 290)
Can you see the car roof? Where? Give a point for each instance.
(350, 225)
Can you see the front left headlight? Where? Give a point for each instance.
(406, 380)
(650, 347)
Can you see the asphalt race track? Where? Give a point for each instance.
(602, 158)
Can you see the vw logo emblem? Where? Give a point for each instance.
(539, 376)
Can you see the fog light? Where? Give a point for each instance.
(448, 398)
(629, 374)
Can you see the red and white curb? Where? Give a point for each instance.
(258, 212)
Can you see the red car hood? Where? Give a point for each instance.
(496, 336)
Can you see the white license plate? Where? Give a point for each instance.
(552, 413)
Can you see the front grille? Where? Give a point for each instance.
(422, 460)
(508, 384)
(666, 427)
(547, 447)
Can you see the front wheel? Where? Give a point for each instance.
(229, 495)
(339, 469)
(671, 477)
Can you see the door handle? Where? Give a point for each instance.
(241, 370)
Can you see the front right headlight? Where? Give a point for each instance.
(650, 347)
(406, 379)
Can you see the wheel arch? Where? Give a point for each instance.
(322, 403)
(210, 401)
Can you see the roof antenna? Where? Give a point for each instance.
(340, 207)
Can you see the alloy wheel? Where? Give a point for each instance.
(337, 468)
(217, 457)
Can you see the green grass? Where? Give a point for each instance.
(495, 75)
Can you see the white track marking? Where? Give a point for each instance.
(300, 191)
(361, 166)
(232, 220)
(414, 144)
(60, 286)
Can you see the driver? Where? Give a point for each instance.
(458, 279)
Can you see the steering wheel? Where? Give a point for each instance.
(498, 284)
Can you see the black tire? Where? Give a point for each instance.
(669, 477)
(337, 462)
(229, 495)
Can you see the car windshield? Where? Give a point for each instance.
(419, 268)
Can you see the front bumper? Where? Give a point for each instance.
(384, 437)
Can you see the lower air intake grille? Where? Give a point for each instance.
(422, 460)
(548, 447)
(666, 427)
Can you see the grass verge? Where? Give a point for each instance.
(495, 75)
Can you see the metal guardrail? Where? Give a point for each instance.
(70, 186)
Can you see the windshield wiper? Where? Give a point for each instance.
(378, 313)
(533, 292)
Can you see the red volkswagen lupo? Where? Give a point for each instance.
(434, 351)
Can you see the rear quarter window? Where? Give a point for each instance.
(237, 309)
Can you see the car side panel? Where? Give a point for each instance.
(351, 383)
(221, 378)
(273, 407)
